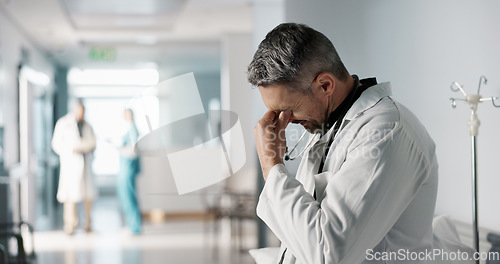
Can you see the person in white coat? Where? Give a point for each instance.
(367, 184)
(74, 141)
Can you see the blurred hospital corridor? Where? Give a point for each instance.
(169, 240)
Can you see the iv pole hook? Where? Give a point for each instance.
(493, 101)
(482, 79)
(459, 88)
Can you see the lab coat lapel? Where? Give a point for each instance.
(310, 164)
(320, 178)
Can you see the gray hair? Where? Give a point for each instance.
(74, 102)
(293, 54)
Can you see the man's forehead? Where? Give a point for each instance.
(278, 97)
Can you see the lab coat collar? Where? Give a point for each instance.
(368, 99)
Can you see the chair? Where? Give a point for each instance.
(242, 208)
(3, 255)
(494, 239)
(237, 206)
(14, 231)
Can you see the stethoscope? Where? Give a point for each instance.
(287, 154)
(336, 128)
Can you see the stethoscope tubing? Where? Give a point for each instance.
(287, 154)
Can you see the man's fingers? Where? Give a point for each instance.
(266, 126)
(283, 119)
(281, 124)
(269, 117)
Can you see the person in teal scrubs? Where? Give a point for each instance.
(129, 169)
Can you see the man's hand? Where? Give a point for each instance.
(270, 139)
(76, 150)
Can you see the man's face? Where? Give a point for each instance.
(79, 112)
(309, 110)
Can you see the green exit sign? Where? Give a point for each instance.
(102, 53)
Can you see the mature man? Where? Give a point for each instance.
(74, 142)
(368, 180)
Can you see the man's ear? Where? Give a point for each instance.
(327, 83)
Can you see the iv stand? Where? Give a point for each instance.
(473, 100)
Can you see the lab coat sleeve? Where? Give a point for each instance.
(57, 139)
(362, 200)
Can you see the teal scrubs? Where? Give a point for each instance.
(129, 168)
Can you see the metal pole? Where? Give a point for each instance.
(473, 100)
(261, 226)
(474, 197)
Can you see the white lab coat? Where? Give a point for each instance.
(75, 180)
(377, 190)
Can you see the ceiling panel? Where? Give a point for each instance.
(106, 22)
(123, 7)
(123, 14)
(170, 32)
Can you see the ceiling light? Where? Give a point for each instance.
(129, 77)
(147, 40)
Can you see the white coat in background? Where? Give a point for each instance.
(377, 190)
(75, 180)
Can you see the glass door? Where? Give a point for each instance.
(35, 119)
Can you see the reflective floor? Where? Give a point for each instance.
(172, 241)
